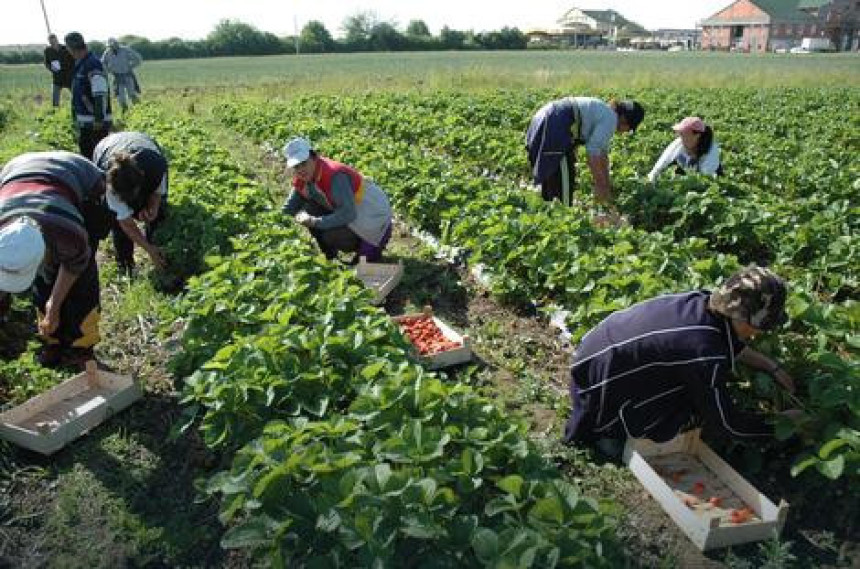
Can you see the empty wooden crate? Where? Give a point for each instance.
(381, 278)
(48, 422)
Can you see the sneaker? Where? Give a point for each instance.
(77, 358)
(610, 448)
(125, 268)
(50, 355)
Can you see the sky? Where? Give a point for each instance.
(23, 23)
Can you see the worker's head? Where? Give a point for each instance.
(301, 158)
(76, 44)
(113, 44)
(22, 249)
(630, 115)
(695, 135)
(125, 177)
(753, 298)
(52, 39)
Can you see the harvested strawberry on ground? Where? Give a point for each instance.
(699, 488)
(740, 516)
(423, 332)
(716, 501)
(678, 475)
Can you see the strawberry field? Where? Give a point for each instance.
(327, 444)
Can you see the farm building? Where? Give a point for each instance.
(588, 28)
(769, 25)
(839, 20)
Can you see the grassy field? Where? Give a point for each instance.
(478, 70)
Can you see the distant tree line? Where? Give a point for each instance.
(362, 32)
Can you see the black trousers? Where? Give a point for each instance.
(122, 243)
(559, 185)
(79, 315)
(88, 138)
(332, 241)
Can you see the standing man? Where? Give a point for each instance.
(560, 126)
(60, 63)
(661, 366)
(120, 60)
(91, 111)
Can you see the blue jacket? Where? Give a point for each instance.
(549, 137)
(90, 92)
(653, 369)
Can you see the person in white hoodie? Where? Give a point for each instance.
(694, 150)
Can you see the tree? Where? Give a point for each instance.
(506, 38)
(315, 38)
(357, 29)
(452, 39)
(385, 37)
(418, 29)
(236, 38)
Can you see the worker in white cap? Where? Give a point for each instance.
(694, 150)
(343, 210)
(49, 202)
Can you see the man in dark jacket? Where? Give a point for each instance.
(91, 110)
(661, 366)
(60, 63)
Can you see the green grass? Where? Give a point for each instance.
(476, 70)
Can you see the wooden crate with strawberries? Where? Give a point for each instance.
(713, 504)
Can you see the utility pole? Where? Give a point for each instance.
(296, 31)
(45, 13)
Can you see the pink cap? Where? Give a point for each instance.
(690, 124)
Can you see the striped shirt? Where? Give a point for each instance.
(52, 207)
(647, 371)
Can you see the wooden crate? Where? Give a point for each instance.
(447, 358)
(48, 422)
(379, 277)
(670, 472)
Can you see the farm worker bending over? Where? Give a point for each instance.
(661, 366)
(560, 126)
(136, 190)
(50, 219)
(694, 149)
(91, 110)
(343, 210)
(120, 60)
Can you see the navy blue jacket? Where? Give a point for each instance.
(549, 137)
(652, 370)
(84, 108)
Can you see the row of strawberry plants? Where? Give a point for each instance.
(795, 187)
(549, 253)
(345, 452)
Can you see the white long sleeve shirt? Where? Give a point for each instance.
(676, 153)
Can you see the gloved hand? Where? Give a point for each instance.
(303, 218)
(55, 66)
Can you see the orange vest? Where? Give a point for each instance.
(326, 169)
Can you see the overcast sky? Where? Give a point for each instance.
(23, 23)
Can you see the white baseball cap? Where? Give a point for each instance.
(297, 151)
(22, 249)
